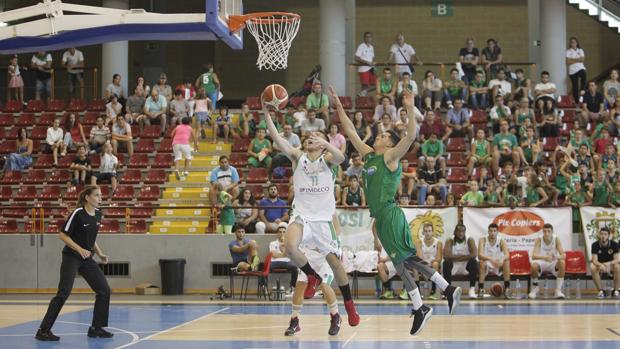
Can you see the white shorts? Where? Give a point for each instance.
(319, 236)
(391, 269)
(491, 269)
(181, 151)
(547, 267)
(459, 268)
(319, 264)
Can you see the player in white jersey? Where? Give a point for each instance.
(494, 259)
(459, 258)
(314, 206)
(548, 257)
(430, 250)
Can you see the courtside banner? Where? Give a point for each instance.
(357, 225)
(594, 218)
(520, 227)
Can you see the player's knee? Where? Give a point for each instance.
(594, 267)
(253, 244)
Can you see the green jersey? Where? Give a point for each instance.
(502, 141)
(482, 149)
(473, 199)
(532, 195)
(206, 80)
(227, 215)
(433, 149)
(601, 194)
(380, 183)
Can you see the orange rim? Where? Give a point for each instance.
(236, 23)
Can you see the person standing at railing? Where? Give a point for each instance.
(403, 55)
(73, 60)
(365, 55)
(576, 69)
(42, 63)
(492, 58)
(469, 58)
(16, 82)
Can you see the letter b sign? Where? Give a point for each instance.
(442, 8)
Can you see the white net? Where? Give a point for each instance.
(274, 35)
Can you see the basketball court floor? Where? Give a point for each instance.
(197, 322)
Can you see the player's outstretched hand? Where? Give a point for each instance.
(318, 140)
(408, 99)
(334, 96)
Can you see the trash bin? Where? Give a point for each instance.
(172, 275)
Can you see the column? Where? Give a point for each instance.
(351, 45)
(553, 42)
(115, 55)
(332, 44)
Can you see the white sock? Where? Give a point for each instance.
(333, 308)
(559, 283)
(416, 299)
(440, 281)
(296, 310)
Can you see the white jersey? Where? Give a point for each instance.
(313, 184)
(548, 250)
(493, 251)
(429, 252)
(460, 249)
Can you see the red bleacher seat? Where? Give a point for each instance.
(35, 106)
(151, 131)
(6, 193)
(131, 176)
(163, 161)
(520, 263)
(165, 146)
(54, 226)
(121, 159)
(55, 105)
(123, 192)
(576, 263)
(90, 118)
(456, 159)
(288, 172)
(6, 120)
(458, 189)
(65, 161)
(297, 100)
(141, 212)
(145, 146)
(550, 143)
(412, 157)
(8, 226)
(60, 177)
(109, 226)
(35, 177)
(456, 144)
(567, 127)
(253, 103)
(72, 192)
(282, 190)
(569, 115)
(155, 176)
(11, 177)
(17, 212)
(44, 161)
(2, 133)
(13, 106)
(13, 133)
(456, 174)
(566, 101)
(240, 145)
(8, 146)
(149, 193)
(136, 227)
(39, 132)
(25, 193)
(25, 120)
(47, 119)
(76, 105)
(257, 190)
(139, 161)
(257, 175)
(364, 102)
(479, 117)
(95, 161)
(96, 105)
(105, 191)
(115, 212)
(49, 193)
(238, 160)
(346, 101)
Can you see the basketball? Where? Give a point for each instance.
(497, 290)
(275, 96)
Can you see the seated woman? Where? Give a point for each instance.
(259, 150)
(246, 211)
(22, 158)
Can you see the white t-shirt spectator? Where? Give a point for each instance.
(574, 54)
(115, 90)
(113, 110)
(494, 115)
(121, 131)
(293, 140)
(38, 61)
(367, 53)
(402, 55)
(317, 125)
(413, 87)
(54, 136)
(504, 86)
(379, 111)
(540, 86)
(69, 59)
(274, 246)
(108, 163)
(300, 116)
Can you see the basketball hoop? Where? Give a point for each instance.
(274, 32)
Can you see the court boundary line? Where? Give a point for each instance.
(613, 331)
(171, 328)
(132, 334)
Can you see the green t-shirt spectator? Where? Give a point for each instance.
(601, 194)
(258, 145)
(455, 88)
(317, 102)
(473, 199)
(476, 84)
(505, 140)
(493, 197)
(482, 149)
(433, 149)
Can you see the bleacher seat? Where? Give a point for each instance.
(35, 106)
(412, 157)
(479, 117)
(288, 172)
(257, 175)
(47, 119)
(567, 127)
(283, 189)
(238, 160)
(54, 226)
(145, 146)
(346, 101)
(17, 212)
(2, 133)
(8, 146)
(90, 118)
(240, 145)
(115, 212)
(576, 265)
(6, 193)
(149, 193)
(364, 102)
(297, 100)
(456, 159)
(8, 226)
(49, 193)
(34, 177)
(65, 161)
(151, 131)
(253, 103)
(456, 174)
(136, 227)
(13, 106)
(165, 146)
(456, 144)
(6, 120)
(131, 176)
(550, 143)
(257, 190)
(142, 212)
(25, 193)
(139, 161)
(520, 263)
(458, 189)
(25, 120)
(72, 192)
(569, 115)
(96, 105)
(109, 226)
(95, 161)
(76, 105)
(55, 105)
(566, 101)
(60, 177)
(105, 191)
(39, 132)
(123, 192)
(12, 135)
(155, 176)
(163, 161)
(11, 177)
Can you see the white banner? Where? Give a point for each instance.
(593, 218)
(520, 227)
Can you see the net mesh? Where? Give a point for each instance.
(274, 35)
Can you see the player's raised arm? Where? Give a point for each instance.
(282, 143)
(347, 125)
(334, 155)
(399, 150)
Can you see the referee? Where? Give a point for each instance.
(79, 234)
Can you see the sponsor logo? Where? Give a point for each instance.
(417, 225)
(370, 170)
(519, 223)
(602, 219)
(315, 190)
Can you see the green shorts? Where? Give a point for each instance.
(394, 233)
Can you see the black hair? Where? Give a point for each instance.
(544, 73)
(251, 201)
(177, 92)
(518, 71)
(493, 225)
(367, 33)
(272, 186)
(186, 120)
(115, 75)
(426, 74)
(238, 226)
(394, 137)
(223, 157)
(548, 226)
(19, 133)
(454, 70)
(491, 40)
(406, 73)
(387, 69)
(456, 228)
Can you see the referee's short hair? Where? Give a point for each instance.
(548, 226)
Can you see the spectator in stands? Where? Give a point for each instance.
(501, 87)
(134, 109)
(107, 169)
(611, 88)
(280, 260)
(492, 58)
(155, 109)
(404, 200)
(289, 115)
(577, 198)
(22, 158)
(99, 135)
(384, 126)
(431, 93)
(505, 147)
(469, 58)
(179, 108)
(459, 258)
(605, 260)
(146, 89)
(210, 83)
(492, 195)
(80, 166)
(599, 147)
(408, 179)
(401, 124)
(227, 176)
(311, 124)
(535, 194)
(523, 87)
(454, 89)
(203, 108)
(548, 257)
(272, 213)
(246, 211)
(259, 150)
(386, 85)
(121, 135)
(319, 101)
(614, 197)
(403, 56)
(433, 148)
(73, 61)
(42, 64)
(189, 92)
(478, 93)
(242, 128)
(480, 152)
(531, 147)
(162, 88)
(280, 159)
(431, 180)
(551, 123)
(610, 157)
(181, 136)
(523, 113)
(473, 197)
(583, 156)
(600, 189)
(575, 57)
(545, 89)
(499, 112)
(356, 169)
(365, 56)
(115, 88)
(74, 133)
(407, 84)
(224, 204)
(432, 124)
(494, 259)
(385, 107)
(353, 194)
(592, 106)
(337, 140)
(112, 109)
(457, 122)
(16, 82)
(54, 141)
(244, 252)
(300, 117)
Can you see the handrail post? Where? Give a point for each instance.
(42, 220)
(95, 82)
(127, 219)
(53, 82)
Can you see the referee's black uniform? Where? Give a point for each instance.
(82, 228)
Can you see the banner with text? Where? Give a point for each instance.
(520, 227)
(594, 218)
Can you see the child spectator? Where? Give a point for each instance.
(16, 82)
(227, 215)
(353, 195)
(202, 109)
(107, 169)
(450, 200)
(535, 194)
(492, 194)
(242, 127)
(600, 189)
(523, 87)
(480, 152)
(181, 136)
(404, 200)
(408, 179)
(550, 125)
(478, 93)
(531, 147)
(259, 150)
(454, 88)
(80, 166)
(614, 197)
(178, 107)
(221, 127)
(54, 141)
(523, 113)
(473, 197)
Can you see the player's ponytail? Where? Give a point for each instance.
(84, 193)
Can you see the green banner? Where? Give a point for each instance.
(442, 8)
